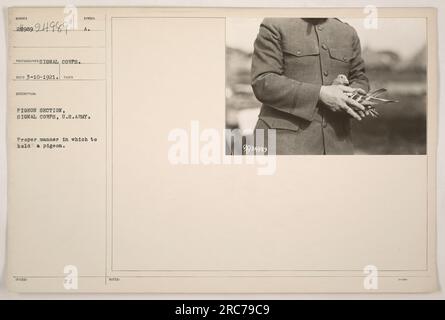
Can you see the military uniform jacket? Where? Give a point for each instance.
(292, 59)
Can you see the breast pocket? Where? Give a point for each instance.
(301, 62)
(340, 60)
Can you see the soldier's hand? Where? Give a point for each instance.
(335, 98)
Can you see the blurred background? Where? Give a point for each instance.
(395, 55)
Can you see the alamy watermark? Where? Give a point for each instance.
(71, 279)
(209, 147)
(371, 280)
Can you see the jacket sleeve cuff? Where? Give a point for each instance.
(307, 96)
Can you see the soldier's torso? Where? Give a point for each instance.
(313, 54)
(316, 53)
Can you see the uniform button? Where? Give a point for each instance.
(345, 59)
(325, 73)
(320, 28)
(324, 46)
(324, 123)
(298, 52)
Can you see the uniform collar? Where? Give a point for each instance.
(316, 21)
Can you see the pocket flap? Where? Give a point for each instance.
(301, 51)
(340, 54)
(280, 124)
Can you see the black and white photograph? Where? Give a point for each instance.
(326, 86)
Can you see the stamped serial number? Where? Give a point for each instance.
(47, 26)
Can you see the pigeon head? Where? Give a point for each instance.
(341, 80)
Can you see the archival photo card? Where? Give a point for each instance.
(222, 150)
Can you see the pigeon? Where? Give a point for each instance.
(341, 80)
(368, 100)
